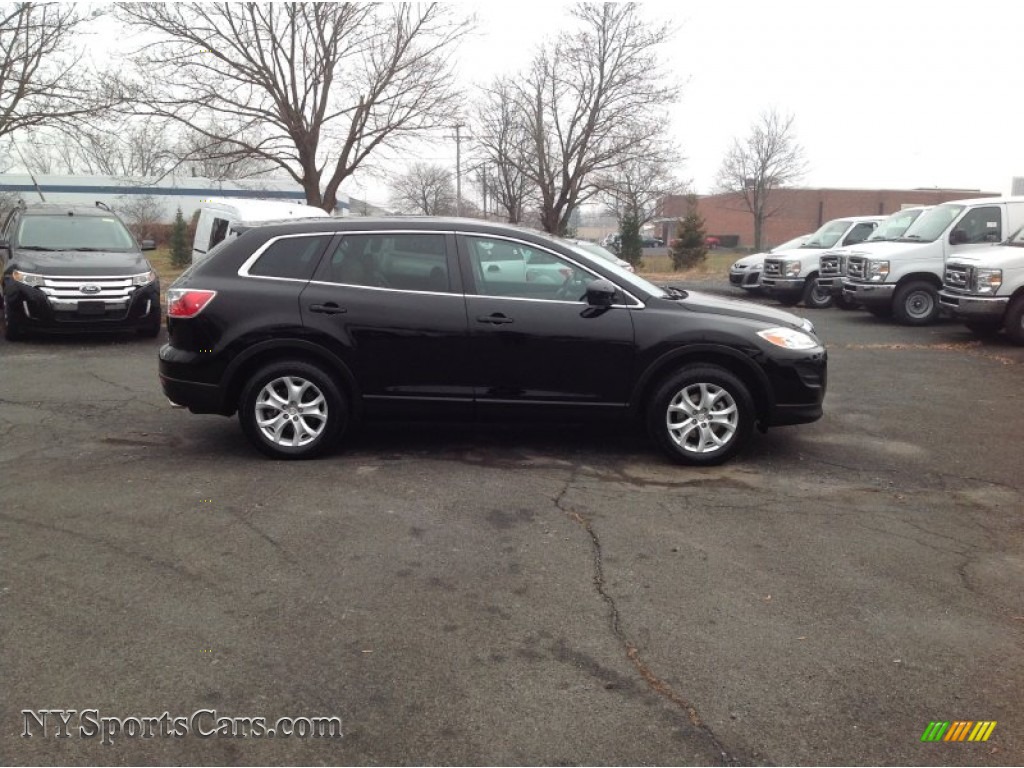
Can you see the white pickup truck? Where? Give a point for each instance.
(984, 288)
(902, 278)
(792, 276)
(832, 264)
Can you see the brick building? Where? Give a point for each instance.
(798, 210)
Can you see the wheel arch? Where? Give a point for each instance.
(265, 352)
(925, 276)
(734, 361)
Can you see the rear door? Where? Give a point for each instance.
(535, 344)
(390, 304)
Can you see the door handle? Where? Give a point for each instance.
(330, 308)
(496, 319)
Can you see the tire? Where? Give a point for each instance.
(673, 404)
(881, 311)
(299, 436)
(12, 330)
(814, 297)
(982, 329)
(916, 303)
(844, 303)
(1014, 321)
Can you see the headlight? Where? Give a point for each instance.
(877, 271)
(791, 268)
(788, 338)
(144, 279)
(27, 279)
(987, 280)
(738, 266)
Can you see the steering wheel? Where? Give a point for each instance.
(569, 290)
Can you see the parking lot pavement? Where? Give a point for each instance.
(521, 595)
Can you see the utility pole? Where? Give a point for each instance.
(458, 169)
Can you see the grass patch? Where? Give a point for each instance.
(715, 266)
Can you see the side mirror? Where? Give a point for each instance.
(601, 293)
(958, 237)
(148, 245)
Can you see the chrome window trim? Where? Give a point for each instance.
(585, 267)
(381, 288)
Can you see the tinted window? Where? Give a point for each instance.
(291, 257)
(981, 225)
(859, 233)
(407, 261)
(531, 273)
(219, 231)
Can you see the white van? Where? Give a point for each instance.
(901, 278)
(217, 214)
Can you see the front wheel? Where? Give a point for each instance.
(916, 303)
(292, 409)
(816, 297)
(701, 415)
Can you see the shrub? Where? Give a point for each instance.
(689, 249)
(181, 255)
(631, 246)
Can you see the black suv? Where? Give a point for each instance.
(75, 268)
(302, 327)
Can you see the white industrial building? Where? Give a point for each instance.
(172, 192)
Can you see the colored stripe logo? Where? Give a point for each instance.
(958, 730)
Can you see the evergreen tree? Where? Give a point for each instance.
(631, 247)
(689, 249)
(180, 254)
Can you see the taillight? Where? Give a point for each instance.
(182, 302)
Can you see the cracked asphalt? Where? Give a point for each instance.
(462, 595)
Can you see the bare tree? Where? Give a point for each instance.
(503, 138)
(42, 80)
(218, 159)
(767, 158)
(590, 102)
(142, 213)
(638, 186)
(312, 88)
(424, 189)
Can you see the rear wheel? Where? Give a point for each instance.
(816, 297)
(701, 415)
(1014, 321)
(292, 409)
(916, 303)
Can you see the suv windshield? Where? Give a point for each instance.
(931, 224)
(828, 235)
(894, 227)
(74, 233)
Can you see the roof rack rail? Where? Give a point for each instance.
(104, 206)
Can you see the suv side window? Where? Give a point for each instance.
(859, 233)
(982, 225)
(408, 261)
(517, 270)
(294, 258)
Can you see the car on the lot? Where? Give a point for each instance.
(984, 288)
(70, 268)
(901, 279)
(217, 215)
(791, 276)
(832, 264)
(745, 273)
(301, 328)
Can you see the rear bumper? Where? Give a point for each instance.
(987, 307)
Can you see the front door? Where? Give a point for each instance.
(535, 344)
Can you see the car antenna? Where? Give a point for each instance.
(29, 169)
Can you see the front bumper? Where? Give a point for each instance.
(869, 293)
(961, 305)
(34, 311)
(781, 286)
(834, 285)
(798, 389)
